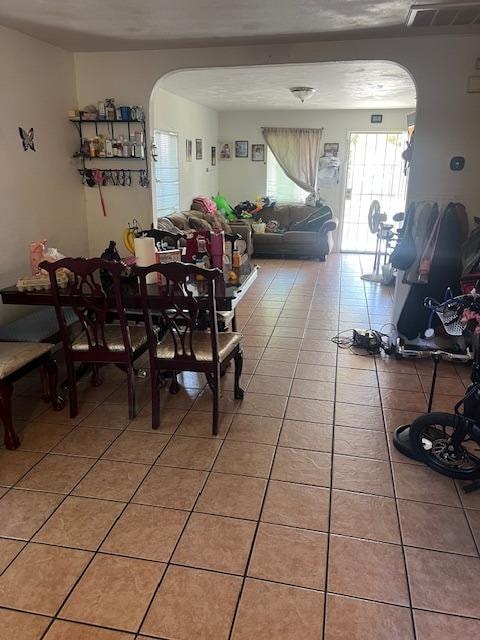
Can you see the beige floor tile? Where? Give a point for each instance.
(314, 389)
(363, 475)
(317, 372)
(296, 505)
(145, 532)
(21, 626)
(261, 429)
(430, 571)
(289, 555)
(358, 416)
(364, 516)
(357, 377)
(40, 577)
(55, 473)
(169, 420)
(263, 404)
(193, 604)
(245, 458)
(216, 543)
(349, 618)
(8, 550)
(108, 416)
(136, 446)
(404, 400)
(309, 410)
(22, 513)
(110, 480)
(63, 417)
(275, 385)
(227, 402)
(317, 358)
(278, 612)
(81, 523)
(42, 437)
(87, 442)
(303, 466)
(353, 394)
(435, 527)
(433, 626)
(114, 592)
(232, 495)
(363, 443)
(61, 630)
(399, 381)
(190, 453)
(413, 482)
(199, 424)
(306, 435)
(365, 569)
(170, 487)
(272, 368)
(15, 464)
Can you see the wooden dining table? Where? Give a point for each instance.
(228, 295)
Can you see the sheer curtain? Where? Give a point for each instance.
(298, 152)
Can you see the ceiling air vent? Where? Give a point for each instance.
(444, 15)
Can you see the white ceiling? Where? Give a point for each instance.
(339, 85)
(100, 25)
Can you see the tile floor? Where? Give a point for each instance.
(298, 522)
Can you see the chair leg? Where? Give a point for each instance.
(72, 389)
(174, 386)
(216, 401)
(238, 391)
(50, 372)
(155, 381)
(131, 392)
(96, 379)
(11, 439)
(209, 378)
(45, 385)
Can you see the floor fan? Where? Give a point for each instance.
(376, 224)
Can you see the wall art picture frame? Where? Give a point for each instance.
(376, 118)
(331, 149)
(198, 149)
(188, 150)
(213, 156)
(258, 153)
(225, 151)
(241, 148)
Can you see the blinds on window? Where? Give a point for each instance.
(167, 186)
(279, 185)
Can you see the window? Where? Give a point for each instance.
(167, 187)
(279, 185)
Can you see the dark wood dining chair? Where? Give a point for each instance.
(183, 347)
(99, 341)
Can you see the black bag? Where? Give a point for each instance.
(405, 252)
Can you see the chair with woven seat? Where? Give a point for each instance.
(16, 360)
(100, 341)
(183, 347)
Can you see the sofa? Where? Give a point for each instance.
(304, 231)
(175, 226)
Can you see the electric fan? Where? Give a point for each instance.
(376, 224)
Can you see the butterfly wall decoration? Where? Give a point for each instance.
(27, 139)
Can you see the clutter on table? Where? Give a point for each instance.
(108, 110)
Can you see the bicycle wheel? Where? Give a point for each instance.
(430, 439)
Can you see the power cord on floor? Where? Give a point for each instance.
(372, 341)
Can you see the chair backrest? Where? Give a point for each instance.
(179, 306)
(90, 302)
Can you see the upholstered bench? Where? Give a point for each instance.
(40, 326)
(16, 360)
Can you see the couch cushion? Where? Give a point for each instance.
(37, 326)
(268, 242)
(313, 221)
(15, 355)
(180, 220)
(281, 214)
(198, 223)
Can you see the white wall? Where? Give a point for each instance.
(447, 117)
(242, 179)
(190, 121)
(41, 193)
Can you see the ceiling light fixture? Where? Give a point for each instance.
(302, 93)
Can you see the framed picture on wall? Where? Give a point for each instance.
(188, 150)
(331, 149)
(258, 153)
(376, 118)
(198, 149)
(225, 151)
(241, 148)
(214, 156)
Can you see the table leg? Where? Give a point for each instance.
(234, 321)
